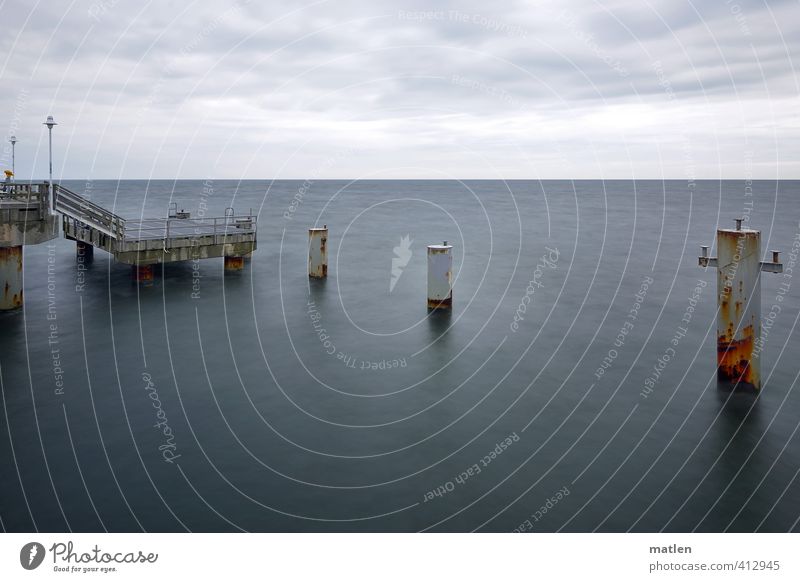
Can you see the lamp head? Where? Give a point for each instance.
(13, 139)
(49, 123)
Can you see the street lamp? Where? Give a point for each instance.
(13, 140)
(50, 123)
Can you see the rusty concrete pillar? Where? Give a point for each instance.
(143, 274)
(11, 277)
(318, 252)
(440, 276)
(234, 263)
(739, 301)
(739, 269)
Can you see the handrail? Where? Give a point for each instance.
(24, 192)
(222, 226)
(87, 212)
(95, 216)
(220, 223)
(224, 221)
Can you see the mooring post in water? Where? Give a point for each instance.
(440, 276)
(318, 252)
(739, 269)
(11, 277)
(234, 264)
(143, 274)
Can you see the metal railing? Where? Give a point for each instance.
(195, 228)
(88, 213)
(24, 193)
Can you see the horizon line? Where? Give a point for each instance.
(315, 179)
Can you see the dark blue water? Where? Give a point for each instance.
(215, 405)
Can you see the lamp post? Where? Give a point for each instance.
(50, 123)
(13, 140)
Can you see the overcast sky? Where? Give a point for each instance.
(380, 89)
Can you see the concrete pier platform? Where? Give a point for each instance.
(151, 241)
(25, 219)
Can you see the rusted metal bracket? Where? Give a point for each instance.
(775, 266)
(704, 260)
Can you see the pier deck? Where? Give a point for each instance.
(152, 241)
(25, 217)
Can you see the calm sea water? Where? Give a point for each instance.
(214, 402)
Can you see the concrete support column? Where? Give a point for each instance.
(318, 252)
(234, 264)
(739, 301)
(739, 267)
(143, 274)
(440, 276)
(85, 250)
(11, 277)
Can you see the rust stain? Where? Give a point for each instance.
(11, 254)
(143, 273)
(11, 261)
(234, 263)
(320, 271)
(445, 303)
(733, 358)
(738, 321)
(318, 267)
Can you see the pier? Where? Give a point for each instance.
(146, 242)
(25, 219)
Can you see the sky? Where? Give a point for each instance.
(543, 89)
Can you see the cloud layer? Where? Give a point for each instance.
(547, 89)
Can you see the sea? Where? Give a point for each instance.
(572, 386)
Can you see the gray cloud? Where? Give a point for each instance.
(234, 89)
